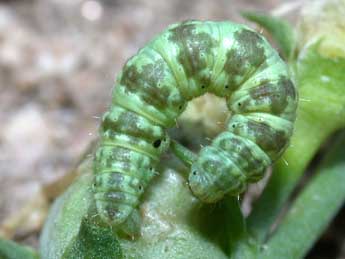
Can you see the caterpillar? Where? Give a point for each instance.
(185, 61)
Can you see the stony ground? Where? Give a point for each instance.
(58, 61)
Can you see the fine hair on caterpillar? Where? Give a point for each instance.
(185, 61)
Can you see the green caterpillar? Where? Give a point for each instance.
(185, 61)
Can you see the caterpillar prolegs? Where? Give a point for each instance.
(183, 62)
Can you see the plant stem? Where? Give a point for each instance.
(313, 210)
(241, 244)
(238, 225)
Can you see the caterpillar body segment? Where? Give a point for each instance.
(183, 62)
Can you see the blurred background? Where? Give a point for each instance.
(58, 62)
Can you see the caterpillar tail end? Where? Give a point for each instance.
(113, 214)
(122, 218)
(132, 226)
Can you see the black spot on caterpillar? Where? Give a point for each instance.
(183, 62)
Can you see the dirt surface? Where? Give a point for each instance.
(58, 62)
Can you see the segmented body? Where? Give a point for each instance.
(183, 62)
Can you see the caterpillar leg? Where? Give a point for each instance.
(183, 153)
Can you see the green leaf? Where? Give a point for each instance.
(11, 250)
(280, 30)
(93, 241)
(313, 210)
(322, 86)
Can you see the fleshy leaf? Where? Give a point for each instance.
(11, 250)
(322, 83)
(174, 224)
(93, 242)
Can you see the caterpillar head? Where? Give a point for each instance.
(204, 177)
(202, 186)
(213, 175)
